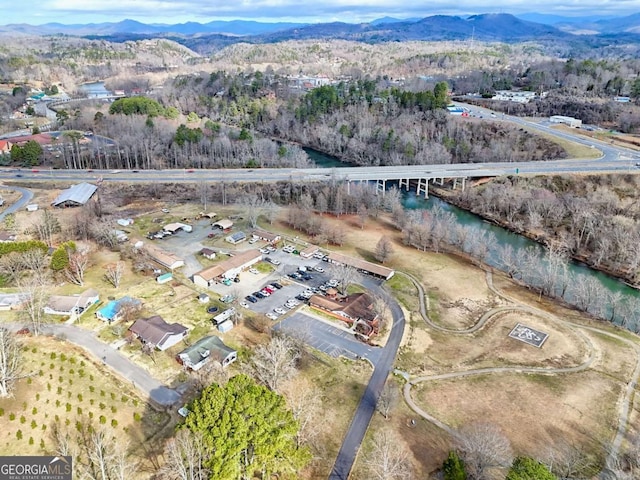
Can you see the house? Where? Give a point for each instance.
(266, 236)
(310, 251)
(9, 301)
(361, 265)
(5, 147)
(236, 238)
(114, 310)
(164, 258)
(224, 224)
(157, 333)
(75, 196)
(228, 269)
(124, 222)
(204, 350)
(71, 304)
(208, 215)
(208, 253)
(351, 309)
(7, 237)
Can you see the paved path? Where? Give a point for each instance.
(624, 404)
(26, 197)
(367, 406)
(139, 377)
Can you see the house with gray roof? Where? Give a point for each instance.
(205, 350)
(71, 304)
(75, 196)
(157, 333)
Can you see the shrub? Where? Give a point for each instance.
(72, 360)
(29, 381)
(40, 373)
(79, 410)
(37, 396)
(63, 357)
(103, 419)
(33, 424)
(53, 355)
(60, 379)
(48, 386)
(124, 399)
(72, 371)
(92, 388)
(34, 411)
(57, 418)
(12, 416)
(91, 401)
(91, 377)
(57, 404)
(79, 426)
(113, 409)
(52, 366)
(114, 423)
(31, 442)
(136, 416)
(113, 396)
(90, 414)
(102, 393)
(42, 445)
(82, 364)
(1, 412)
(79, 397)
(34, 350)
(22, 419)
(102, 406)
(59, 390)
(44, 427)
(70, 382)
(68, 407)
(453, 467)
(81, 373)
(19, 434)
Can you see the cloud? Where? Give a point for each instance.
(172, 11)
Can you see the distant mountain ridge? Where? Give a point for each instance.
(484, 27)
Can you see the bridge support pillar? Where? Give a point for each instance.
(463, 183)
(423, 186)
(441, 182)
(455, 184)
(381, 186)
(404, 182)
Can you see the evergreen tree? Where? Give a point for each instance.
(525, 468)
(453, 467)
(246, 429)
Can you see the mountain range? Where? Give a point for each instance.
(484, 27)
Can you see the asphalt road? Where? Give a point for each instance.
(26, 197)
(139, 378)
(367, 406)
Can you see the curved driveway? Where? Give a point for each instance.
(26, 196)
(367, 406)
(139, 377)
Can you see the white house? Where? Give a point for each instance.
(204, 350)
(71, 304)
(228, 269)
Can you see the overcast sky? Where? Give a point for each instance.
(178, 11)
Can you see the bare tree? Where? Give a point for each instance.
(363, 214)
(484, 448)
(275, 362)
(384, 249)
(307, 408)
(114, 272)
(185, 457)
(105, 457)
(78, 264)
(388, 398)
(386, 460)
(36, 296)
(271, 210)
(11, 369)
(345, 275)
(569, 461)
(47, 227)
(253, 207)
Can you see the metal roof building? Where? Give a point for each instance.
(75, 196)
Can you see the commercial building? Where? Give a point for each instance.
(75, 196)
(361, 265)
(228, 269)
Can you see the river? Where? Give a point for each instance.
(610, 295)
(95, 90)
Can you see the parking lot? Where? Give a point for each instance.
(327, 338)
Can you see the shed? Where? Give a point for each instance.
(203, 298)
(32, 207)
(224, 316)
(208, 253)
(75, 196)
(224, 224)
(225, 326)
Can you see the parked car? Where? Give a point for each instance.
(272, 261)
(244, 304)
(264, 292)
(264, 250)
(253, 240)
(268, 289)
(251, 298)
(279, 311)
(319, 269)
(276, 285)
(227, 298)
(307, 277)
(258, 294)
(272, 316)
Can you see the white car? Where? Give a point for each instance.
(264, 250)
(253, 240)
(254, 271)
(165, 210)
(273, 261)
(319, 269)
(272, 316)
(332, 283)
(280, 311)
(244, 304)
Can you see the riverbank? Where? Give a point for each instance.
(541, 237)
